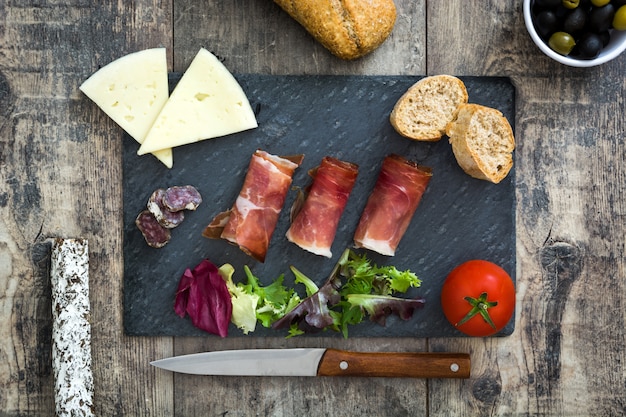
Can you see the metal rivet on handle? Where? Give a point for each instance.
(343, 365)
(454, 367)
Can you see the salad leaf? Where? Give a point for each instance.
(355, 289)
(313, 313)
(379, 307)
(361, 288)
(203, 295)
(310, 286)
(399, 281)
(294, 330)
(363, 277)
(244, 303)
(275, 300)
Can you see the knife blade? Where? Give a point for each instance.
(320, 362)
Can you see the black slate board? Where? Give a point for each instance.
(459, 218)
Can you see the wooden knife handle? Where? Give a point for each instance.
(394, 364)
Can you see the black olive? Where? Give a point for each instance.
(546, 23)
(605, 36)
(601, 18)
(590, 46)
(575, 21)
(561, 11)
(618, 3)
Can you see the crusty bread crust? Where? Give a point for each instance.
(425, 109)
(349, 29)
(482, 141)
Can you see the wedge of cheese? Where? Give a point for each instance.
(207, 103)
(132, 90)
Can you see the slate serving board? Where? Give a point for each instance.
(459, 217)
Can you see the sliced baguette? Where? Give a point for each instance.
(423, 112)
(482, 141)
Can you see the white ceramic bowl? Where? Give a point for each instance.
(616, 46)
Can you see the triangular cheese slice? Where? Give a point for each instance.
(207, 102)
(132, 90)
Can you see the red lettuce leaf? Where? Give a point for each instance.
(203, 295)
(379, 307)
(313, 313)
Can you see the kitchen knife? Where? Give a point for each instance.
(320, 362)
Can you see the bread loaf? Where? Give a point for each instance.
(349, 29)
(482, 141)
(423, 112)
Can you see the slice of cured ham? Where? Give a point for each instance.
(251, 221)
(315, 225)
(391, 205)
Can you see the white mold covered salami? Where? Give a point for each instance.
(71, 330)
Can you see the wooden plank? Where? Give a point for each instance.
(61, 164)
(567, 354)
(125, 383)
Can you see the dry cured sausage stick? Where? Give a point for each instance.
(71, 330)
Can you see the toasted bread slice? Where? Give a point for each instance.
(482, 141)
(423, 112)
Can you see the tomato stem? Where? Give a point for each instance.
(480, 306)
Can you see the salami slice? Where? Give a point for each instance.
(155, 234)
(166, 217)
(71, 330)
(182, 197)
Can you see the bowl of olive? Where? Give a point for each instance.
(578, 33)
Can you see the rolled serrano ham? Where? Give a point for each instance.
(391, 205)
(252, 219)
(315, 225)
(71, 331)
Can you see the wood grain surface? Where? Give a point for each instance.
(60, 170)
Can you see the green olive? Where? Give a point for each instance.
(562, 43)
(600, 3)
(570, 4)
(619, 20)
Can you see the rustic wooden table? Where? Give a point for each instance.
(61, 175)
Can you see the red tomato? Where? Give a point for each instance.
(478, 298)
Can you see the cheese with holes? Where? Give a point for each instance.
(207, 103)
(132, 90)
